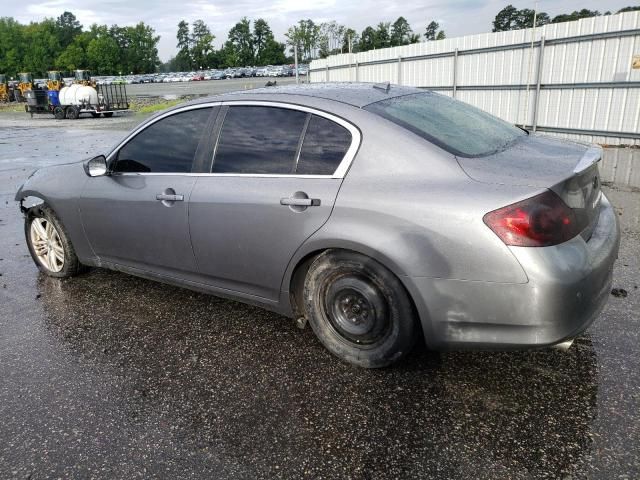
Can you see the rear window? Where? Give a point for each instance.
(455, 126)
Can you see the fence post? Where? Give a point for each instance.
(326, 73)
(538, 81)
(357, 76)
(399, 70)
(455, 72)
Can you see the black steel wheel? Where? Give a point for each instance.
(59, 113)
(73, 112)
(358, 309)
(108, 114)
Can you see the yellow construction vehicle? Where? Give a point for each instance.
(25, 84)
(54, 80)
(83, 77)
(4, 89)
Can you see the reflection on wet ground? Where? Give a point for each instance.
(110, 376)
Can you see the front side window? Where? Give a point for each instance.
(455, 126)
(167, 146)
(259, 140)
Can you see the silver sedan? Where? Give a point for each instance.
(379, 215)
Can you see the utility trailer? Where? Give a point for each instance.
(77, 99)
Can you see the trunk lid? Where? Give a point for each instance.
(568, 169)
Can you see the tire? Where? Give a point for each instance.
(53, 233)
(59, 113)
(95, 114)
(108, 114)
(358, 309)
(73, 112)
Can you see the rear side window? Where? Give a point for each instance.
(259, 140)
(455, 126)
(325, 145)
(167, 146)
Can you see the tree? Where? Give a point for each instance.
(183, 59)
(201, 44)
(431, 31)
(368, 40)
(262, 34)
(575, 15)
(305, 36)
(510, 18)
(68, 27)
(401, 32)
(628, 9)
(12, 44)
(383, 37)
(441, 35)
(240, 42)
(350, 40)
(41, 47)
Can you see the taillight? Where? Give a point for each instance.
(539, 221)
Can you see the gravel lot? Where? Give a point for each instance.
(110, 376)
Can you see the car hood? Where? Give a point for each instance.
(533, 160)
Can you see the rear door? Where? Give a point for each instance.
(274, 179)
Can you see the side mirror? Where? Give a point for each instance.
(96, 167)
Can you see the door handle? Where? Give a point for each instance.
(300, 202)
(166, 197)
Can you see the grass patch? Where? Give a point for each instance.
(154, 107)
(12, 107)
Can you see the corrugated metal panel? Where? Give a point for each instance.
(506, 72)
(621, 166)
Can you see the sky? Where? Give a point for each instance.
(456, 17)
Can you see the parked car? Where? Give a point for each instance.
(378, 214)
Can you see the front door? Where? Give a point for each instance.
(138, 215)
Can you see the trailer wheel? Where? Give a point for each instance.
(73, 112)
(58, 112)
(108, 114)
(95, 114)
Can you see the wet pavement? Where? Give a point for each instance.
(110, 376)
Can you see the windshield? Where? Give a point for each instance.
(455, 126)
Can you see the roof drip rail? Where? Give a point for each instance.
(383, 86)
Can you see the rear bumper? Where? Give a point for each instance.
(568, 286)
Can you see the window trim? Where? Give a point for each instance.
(339, 173)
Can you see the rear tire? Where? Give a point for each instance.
(95, 114)
(49, 244)
(59, 113)
(358, 309)
(73, 112)
(108, 114)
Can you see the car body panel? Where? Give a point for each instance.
(403, 201)
(127, 225)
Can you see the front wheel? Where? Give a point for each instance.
(49, 244)
(358, 309)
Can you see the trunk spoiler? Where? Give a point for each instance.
(591, 156)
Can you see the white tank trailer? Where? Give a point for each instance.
(72, 101)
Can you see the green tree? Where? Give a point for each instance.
(575, 15)
(383, 37)
(350, 39)
(12, 43)
(68, 27)
(41, 47)
(510, 18)
(262, 34)
(305, 36)
(628, 9)
(183, 59)
(401, 32)
(202, 44)
(103, 55)
(368, 40)
(240, 43)
(432, 32)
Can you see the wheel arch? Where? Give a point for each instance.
(299, 266)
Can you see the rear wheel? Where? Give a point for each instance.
(59, 113)
(49, 244)
(358, 309)
(108, 114)
(95, 114)
(73, 112)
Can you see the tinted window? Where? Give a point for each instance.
(167, 146)
(455, 126)
(259, 140)
(325, 144)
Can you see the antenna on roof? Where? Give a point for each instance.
(383, 86)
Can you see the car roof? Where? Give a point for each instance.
(356, 94)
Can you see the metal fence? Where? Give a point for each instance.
(576, 79)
